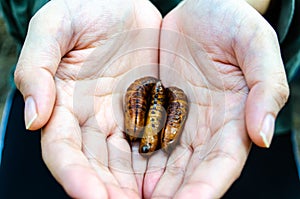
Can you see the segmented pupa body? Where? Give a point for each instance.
(177, 110)
(136, 105)
(155, 121)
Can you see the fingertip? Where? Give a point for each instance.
(39, 96)
(263, 137)
(267, 130)
(30, 112)
(261, 111)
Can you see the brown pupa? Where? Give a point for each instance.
(155, 121)
(177, 111)
(136, 105)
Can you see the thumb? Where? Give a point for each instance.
(37, 64)
(264, 72)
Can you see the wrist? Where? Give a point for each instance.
(260, 5)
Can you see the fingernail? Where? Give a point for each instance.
(30, 111)
(267, 130)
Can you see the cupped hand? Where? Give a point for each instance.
(74, 56)
(227, 58)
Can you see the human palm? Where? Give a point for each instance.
(79, 56)
(220, 52)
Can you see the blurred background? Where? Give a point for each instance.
(8, 59)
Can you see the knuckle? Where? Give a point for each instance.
(19, 76)
(281, 92)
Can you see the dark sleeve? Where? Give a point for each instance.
(17, 14)
(284, 16)
(165, 6)
(290, 46)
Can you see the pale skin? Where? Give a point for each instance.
(81, 143)
(232, 99)
(74, 86)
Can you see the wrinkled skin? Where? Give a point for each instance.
(84, 45)
(235, 71)
(231, 64)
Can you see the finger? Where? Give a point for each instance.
(262, 65)
(44, 46)
(209, 179)
(95, 149)
(120, 163)
(174, 173)
(155, 169)
(139, 164)
(211, 171)
(61, 150)
(96, 125)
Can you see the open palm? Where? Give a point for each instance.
(79, 57)
(226, 57)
